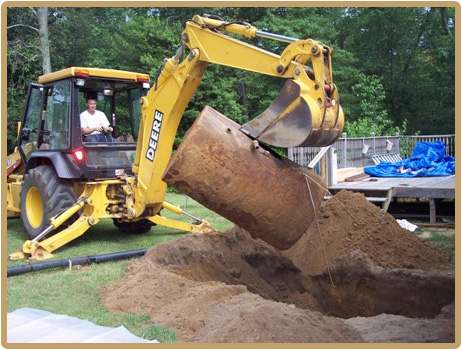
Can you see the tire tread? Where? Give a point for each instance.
(58, 193)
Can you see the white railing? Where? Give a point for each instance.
(358, 152)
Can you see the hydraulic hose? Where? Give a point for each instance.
(22, 269)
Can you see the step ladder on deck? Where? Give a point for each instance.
(388, 157)
(380, 198)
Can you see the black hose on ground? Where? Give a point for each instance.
(22, 269)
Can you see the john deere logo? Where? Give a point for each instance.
(155, 131)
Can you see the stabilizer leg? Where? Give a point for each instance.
(199, 225)
(35, 250)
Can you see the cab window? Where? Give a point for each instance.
(120, 104)
(31, 127)
(56, 116)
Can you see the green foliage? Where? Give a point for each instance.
(171, 189)
(391, 64)
(411, 51)
(370, 94)
(23, 61)
(371, 112)
(363, 127)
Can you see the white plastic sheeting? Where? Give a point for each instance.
(407, 225)
(28, 325)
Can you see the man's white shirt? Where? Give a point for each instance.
(98, 119)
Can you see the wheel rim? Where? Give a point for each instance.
(34, 207)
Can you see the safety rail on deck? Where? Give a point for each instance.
(358, 152)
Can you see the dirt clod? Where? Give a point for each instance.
(230, 287)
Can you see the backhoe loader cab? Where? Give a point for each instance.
(51, 131)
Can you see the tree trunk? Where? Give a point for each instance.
(42, 16)
(444, 21)
(415, 45)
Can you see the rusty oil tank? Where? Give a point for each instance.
(234, 176)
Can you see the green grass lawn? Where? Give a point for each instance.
(73, 291)
(441, 237)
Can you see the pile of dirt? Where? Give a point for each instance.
(235, 258)
(348, 222)
(362, 263)
(179, 284)
(230, 287)
(398, 329)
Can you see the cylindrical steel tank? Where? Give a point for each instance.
(231, 174)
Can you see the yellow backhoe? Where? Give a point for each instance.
(65, 185)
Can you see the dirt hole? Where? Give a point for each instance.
(363, 264)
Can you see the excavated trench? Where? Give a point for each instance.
(354, 261)
(355, 286)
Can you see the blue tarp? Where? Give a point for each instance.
(428, 159)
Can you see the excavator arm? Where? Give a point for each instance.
(306, 113)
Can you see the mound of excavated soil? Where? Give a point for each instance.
(235, 258)
(375, 266)
(398, 329)
(348, 222)
(230, 287)
(176, 283)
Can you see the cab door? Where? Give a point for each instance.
(32, 120)
(56, 117)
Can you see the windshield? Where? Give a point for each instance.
(119, 101)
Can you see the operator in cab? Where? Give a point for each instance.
(94, 123)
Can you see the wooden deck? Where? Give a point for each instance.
(426, 187)
(383, 190)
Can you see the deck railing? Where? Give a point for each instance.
(358, 151)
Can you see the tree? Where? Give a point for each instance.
(41, 16)
(372, 115)
(412, 52)
(391, 65)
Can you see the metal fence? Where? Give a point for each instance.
(358, 152)
(408, 143)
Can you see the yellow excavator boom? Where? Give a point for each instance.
(306, 113)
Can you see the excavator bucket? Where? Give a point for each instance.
(296, 119)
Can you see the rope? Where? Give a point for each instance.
(343, 205)
(319, 231)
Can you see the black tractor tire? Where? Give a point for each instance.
(136, 227)
(44, 195)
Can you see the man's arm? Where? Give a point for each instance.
(86, 130)
(105, 123)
